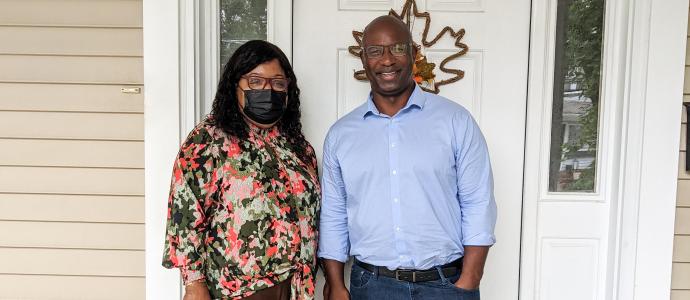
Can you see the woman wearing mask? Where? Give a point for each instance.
(245, 192)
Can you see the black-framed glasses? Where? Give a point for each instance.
(376, 51)
(278, 84)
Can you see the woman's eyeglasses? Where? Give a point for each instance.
(259, 83)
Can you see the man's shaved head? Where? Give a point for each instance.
(388, 22)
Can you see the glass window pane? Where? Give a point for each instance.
(575, 117)
(240, 21)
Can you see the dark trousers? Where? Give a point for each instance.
(366, 285)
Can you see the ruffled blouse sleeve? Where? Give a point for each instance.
(193, 184)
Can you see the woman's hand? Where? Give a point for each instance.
(196, 291)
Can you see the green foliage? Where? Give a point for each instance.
(583, 45)
(240, 21)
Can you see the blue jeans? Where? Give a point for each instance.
(366, 285)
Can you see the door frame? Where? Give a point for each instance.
(640, 128)
(648, 153)
(538, 141)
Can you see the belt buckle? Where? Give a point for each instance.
(397, 275)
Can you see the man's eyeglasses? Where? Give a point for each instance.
(376, 51)
(259, 83)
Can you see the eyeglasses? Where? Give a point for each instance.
(259, 83)
(376, 51)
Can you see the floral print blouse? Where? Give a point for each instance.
(242, 214)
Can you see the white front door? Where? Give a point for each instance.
(493, 89)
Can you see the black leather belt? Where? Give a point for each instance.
(408, 275)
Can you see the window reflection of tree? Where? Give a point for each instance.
(579, 33)
(240, 21)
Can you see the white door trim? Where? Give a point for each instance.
(161, 137)
(652, 113)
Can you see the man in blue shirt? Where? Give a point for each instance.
(407, 186)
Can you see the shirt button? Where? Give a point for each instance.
(393, 145)
(395, 200)
(395, 172)
(397, 228)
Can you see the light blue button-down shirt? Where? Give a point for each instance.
(407, 191)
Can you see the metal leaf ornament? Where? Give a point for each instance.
(422, 69)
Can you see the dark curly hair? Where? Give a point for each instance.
(226, 112)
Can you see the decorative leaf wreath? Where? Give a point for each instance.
(422, 70)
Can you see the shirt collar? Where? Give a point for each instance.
(417, 98)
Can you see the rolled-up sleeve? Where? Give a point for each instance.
(475, 183)
(333, 234)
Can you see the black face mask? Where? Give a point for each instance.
(264, 106)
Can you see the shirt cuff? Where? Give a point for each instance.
(481, 239)
(191, 275)
(339, 257)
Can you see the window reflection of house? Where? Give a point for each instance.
(576, 157)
